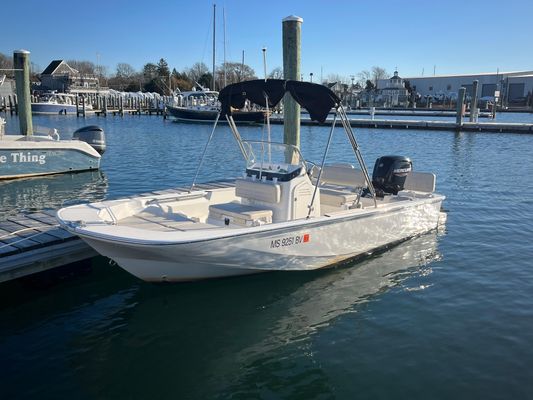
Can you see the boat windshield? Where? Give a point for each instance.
(273, 161)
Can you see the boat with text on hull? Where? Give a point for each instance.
(283, 214)
(24, 156)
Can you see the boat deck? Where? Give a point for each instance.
(31, 243)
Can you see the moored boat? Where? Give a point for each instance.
(284, 213)
(203, 106)
(26, 156)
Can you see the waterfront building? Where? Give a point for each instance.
(394, 94)
(62, 77)
(515, 87)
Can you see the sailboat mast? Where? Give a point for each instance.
(224, 21)
(214, 47)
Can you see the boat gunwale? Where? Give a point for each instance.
(279, 228)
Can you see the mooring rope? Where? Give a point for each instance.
(22, 239)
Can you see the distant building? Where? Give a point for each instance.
(63, 78)
(514, 87)
(394, 94)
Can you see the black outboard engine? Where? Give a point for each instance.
(93, 135)
(390, 173)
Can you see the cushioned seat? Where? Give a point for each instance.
(267, 191)
(241, 214)
(336, 197)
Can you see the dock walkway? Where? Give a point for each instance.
(31, 243)
(512, 127)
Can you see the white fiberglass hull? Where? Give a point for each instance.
(304, 244)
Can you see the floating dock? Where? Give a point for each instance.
(31, 243)
(425, 125)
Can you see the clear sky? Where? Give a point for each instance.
(338, 37)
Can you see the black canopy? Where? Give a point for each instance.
(316, 99)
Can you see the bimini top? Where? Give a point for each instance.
(318, 100)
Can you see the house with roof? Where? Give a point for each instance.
(394, 94)
(62, 77)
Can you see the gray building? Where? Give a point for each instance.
(63, 78)
(514, 86)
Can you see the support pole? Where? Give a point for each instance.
(473, 103)
(292, 32)
(21, 64)
(460, 107)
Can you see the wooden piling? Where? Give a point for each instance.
(473, 103)
(292, 32)
(21, 64)
(460, 107)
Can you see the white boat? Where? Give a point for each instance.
(57, 103)
(283, 214)
(35, 155)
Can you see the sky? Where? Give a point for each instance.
(338, 37)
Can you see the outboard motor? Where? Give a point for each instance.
(93, 135)
(390, 173)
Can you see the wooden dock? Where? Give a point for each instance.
(31, 243)
(425, 125)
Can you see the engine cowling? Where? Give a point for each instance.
(93, 135)
(390, 173)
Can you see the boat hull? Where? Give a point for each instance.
(20, 159)
(47, 108)
(191, 115)
(304, 245)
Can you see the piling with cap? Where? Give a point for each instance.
(292, 32)
(460, 106)
(21, 64)
(473, 103)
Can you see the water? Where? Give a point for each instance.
(448, 315)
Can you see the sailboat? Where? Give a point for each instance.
(284, 214)
(201, 104)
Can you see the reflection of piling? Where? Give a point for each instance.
(292, 30)
(21, 64)
(460, 107)
(473, 103)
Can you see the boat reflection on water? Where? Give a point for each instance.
(230, 334)
(247, 322)
(51, 192)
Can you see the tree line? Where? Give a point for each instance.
(158, 77)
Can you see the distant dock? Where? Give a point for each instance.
(511, 127)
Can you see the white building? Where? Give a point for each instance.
(394, 93)
(513, 86)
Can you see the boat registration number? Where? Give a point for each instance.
(289, 241)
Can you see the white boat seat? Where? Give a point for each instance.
(268, 191)
(337, 197)
(342, 176)
(240, 214)
(420, 182)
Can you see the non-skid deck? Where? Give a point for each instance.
(31, 243)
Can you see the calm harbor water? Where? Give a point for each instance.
(447, 315)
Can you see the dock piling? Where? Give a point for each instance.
(473, 103)
(292, 32)
(21, 64)
(460, 107)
